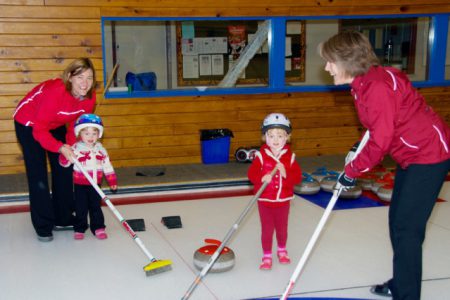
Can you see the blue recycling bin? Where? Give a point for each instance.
(215, 144)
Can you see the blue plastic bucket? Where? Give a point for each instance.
(216, 151)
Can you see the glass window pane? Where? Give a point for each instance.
(400, 42)
(295, 51)
(188, 54)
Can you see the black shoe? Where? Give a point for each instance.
(45, 238)
(381, 290)
(62, 228)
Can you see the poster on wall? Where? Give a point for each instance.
(190, 66)
(205, 65)
(236, 39)
(217, 65)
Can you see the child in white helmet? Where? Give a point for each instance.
(95, 160)
(274, 202)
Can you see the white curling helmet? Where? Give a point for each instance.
(276, 120)
(89, 120)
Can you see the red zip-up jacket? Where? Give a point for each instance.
(48, 106)
(399, 121)
(279, 190)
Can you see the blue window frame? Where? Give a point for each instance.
(282, 37)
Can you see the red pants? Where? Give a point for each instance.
(273, 219)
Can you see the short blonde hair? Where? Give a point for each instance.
(263, 137)
(351, 50)
(76, 67)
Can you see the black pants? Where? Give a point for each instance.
(87, 200)
(415, 192)
(46, 209)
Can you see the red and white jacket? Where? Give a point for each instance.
(95, 161)
(399, 121)
(48, 106)
(280, 190)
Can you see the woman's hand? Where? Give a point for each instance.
(67, 151)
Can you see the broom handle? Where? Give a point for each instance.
(312, 241)
(110, 79)
(337, 191)
(225, 240)
(115, 211)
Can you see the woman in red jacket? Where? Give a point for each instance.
(40, 121)
(401, 124)
(274, 201)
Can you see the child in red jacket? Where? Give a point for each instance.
(95, 160)
(274, 202)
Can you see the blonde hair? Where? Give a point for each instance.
(288, 140)
(350, 50)
(77, 67)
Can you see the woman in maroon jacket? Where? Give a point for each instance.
(401, 124)
(40, 121)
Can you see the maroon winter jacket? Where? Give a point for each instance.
(279, 190)
(399, 121)
(49, 106)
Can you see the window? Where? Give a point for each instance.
(187, 56)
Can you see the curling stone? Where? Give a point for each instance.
(308, 186)
(379, 170)
(223, 263)
(385, 192)
(320, 173)
(366, 181)
(384, 179)
(328, 184)
(352, 193)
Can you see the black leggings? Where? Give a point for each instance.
(415, 192)
(46, 209)
(87, 200)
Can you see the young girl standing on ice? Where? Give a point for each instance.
(95, 160)
(274, 202)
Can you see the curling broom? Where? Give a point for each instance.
(337, 191)
(155, 266)
(225, 240)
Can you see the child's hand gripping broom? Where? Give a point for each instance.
(337, 191)
(225, 240)
(155, 266)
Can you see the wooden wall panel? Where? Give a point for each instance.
(46, 12)
(22, 2)
(49, 64)
(50, 40)
(250, 11)
(39, 38)
(238, 3)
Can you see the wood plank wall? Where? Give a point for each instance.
(38, 38)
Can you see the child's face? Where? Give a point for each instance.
(276, 138)
(89, 135)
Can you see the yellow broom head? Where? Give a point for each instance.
(158, 266)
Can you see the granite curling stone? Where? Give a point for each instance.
(223, 263)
